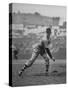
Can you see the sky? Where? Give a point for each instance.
(45, 10)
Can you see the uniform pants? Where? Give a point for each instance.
(34, 57)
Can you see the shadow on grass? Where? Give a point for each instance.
(53, 73)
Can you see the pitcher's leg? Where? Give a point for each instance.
(30, 62)
(46, 62)
(47, 65)
(33, 58)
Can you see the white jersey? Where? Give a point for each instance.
(44, 43)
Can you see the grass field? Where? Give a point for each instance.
(35, 75)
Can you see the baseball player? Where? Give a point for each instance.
(41, 48)
(15, 50)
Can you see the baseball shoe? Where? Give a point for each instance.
(20, 72)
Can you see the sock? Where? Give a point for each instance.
(25, 66)
(47, 68)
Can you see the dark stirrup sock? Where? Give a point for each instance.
(25, 66)
(47, 68)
